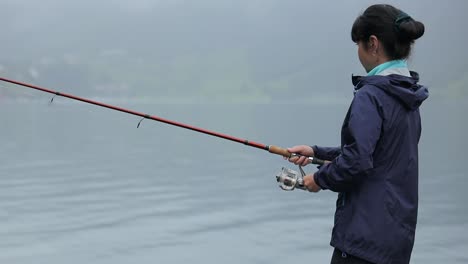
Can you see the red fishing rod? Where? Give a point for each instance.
(270, 148)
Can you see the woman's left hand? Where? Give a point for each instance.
(309, 183)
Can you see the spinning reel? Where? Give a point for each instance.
(289, 179)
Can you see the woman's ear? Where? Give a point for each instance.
(373, 45)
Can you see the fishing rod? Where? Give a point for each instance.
(270, 148)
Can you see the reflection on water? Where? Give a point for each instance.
(80, 184)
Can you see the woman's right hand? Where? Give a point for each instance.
(304, 151)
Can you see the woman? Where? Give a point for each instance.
(375, 171)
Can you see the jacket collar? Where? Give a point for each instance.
(358, 81)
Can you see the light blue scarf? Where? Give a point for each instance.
(388, 65)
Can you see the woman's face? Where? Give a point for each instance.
(371, 53)
(365, 56)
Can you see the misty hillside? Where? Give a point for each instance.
(253, 50)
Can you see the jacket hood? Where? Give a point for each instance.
(405, 89)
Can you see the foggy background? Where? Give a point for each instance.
(211, 50)
(81, 184)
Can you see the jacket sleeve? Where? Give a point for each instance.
(360, 138)
(326, 153)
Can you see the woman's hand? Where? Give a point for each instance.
(303, 150)
(309, 183)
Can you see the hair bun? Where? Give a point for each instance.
(411, 30)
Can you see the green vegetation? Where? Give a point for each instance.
(214, 76)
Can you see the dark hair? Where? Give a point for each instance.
(395, 29)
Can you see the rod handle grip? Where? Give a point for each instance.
(285, 153)
(319, 161)
(280, 151)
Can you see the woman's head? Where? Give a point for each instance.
(388, 30)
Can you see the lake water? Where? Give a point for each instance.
(82, 184)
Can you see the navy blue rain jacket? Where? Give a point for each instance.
(375, 170)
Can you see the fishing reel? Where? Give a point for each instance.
(289, 179)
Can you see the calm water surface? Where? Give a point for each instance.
(81, 184)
